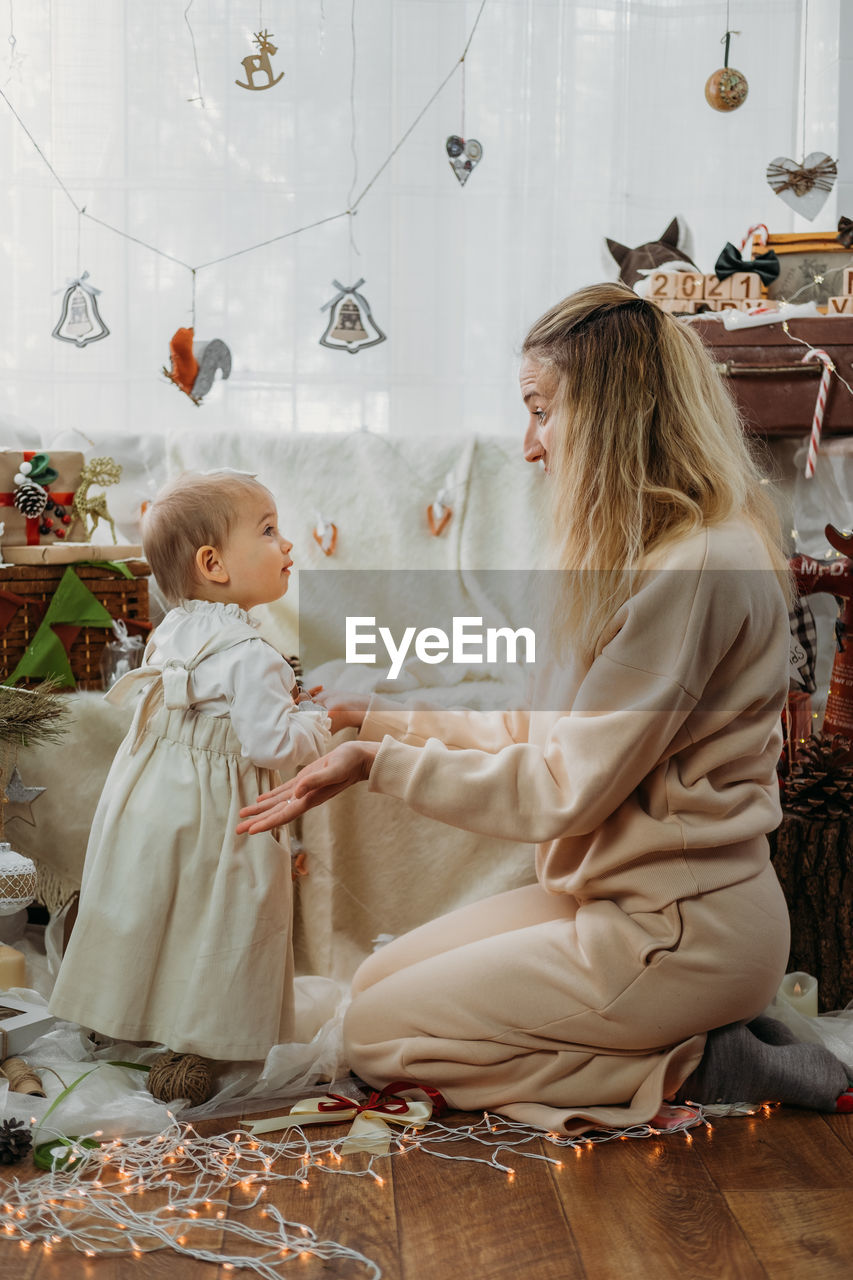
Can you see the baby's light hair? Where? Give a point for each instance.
(196, 510)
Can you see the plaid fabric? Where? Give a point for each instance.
(803, 645)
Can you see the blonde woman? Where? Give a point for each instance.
(656, 931)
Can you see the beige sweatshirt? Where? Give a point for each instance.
(656, 778)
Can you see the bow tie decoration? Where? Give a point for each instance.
(765, 265)
(369, 1131)
(845, 232)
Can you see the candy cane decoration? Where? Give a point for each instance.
(759, 226)
(815, 353)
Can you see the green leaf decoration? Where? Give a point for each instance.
(42, 472)
(74, 604)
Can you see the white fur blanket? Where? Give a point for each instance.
(374, 867)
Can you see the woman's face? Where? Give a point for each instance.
(538, 391)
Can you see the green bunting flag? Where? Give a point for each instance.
(72, 605)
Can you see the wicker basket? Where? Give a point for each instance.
(122, 598)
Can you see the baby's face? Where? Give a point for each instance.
(257, 556)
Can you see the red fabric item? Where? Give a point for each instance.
(184, 364)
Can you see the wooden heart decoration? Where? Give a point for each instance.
(804, 187)
(464, 156)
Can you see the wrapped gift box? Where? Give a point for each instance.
(21, 1022)
(22, 530)
(774, 390)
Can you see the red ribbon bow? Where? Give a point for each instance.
(385, 1100)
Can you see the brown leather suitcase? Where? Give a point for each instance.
(774, 390)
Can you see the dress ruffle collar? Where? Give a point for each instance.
(217, 609)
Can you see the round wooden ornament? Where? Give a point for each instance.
(726, 88)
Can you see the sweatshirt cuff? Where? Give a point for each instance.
(385, 718)
(392, 768)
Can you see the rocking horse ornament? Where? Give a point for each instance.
(258, 64)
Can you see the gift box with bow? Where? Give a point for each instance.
(369, 1130)
(36, 495)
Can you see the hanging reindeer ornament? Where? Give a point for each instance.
(835, 577)
(258, 64)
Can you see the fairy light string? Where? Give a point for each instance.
(352, 204)
(802, 341)
(207, 1198)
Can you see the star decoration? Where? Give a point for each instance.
(19, 799)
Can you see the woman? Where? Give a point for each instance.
(586, 999)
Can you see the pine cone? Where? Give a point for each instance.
(15, 1141)
(30, 498)
(820, 785)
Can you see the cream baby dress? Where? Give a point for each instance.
(184, 931)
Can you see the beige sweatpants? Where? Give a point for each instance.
(562, 1014)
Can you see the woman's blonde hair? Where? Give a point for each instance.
(193, 511)
(647, 445)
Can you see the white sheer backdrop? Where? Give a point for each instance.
(593, 122)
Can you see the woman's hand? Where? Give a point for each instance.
(346, 710)
(344, 765)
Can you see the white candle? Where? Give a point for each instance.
(13, 968)
(800, 992)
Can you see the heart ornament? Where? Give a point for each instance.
(464, 156)
(804, 187)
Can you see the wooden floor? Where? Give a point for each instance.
(770, 1195)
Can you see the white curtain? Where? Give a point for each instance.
(591, 116)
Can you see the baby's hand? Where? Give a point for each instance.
(306, 695)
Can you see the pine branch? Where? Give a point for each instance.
(29, 716)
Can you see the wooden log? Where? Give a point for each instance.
(814, 863)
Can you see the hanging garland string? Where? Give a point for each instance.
(199, 95)
(286, 235)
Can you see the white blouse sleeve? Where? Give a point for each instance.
(276, 732)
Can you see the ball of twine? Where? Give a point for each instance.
(21, 1077)
(180, 1075)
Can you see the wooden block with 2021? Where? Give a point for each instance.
(47, 484)
(745, 284)
(690, 285)
(716, 289)
(662, 285)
